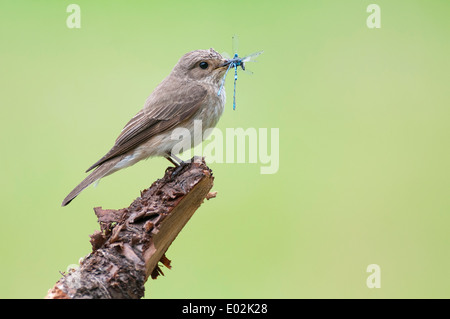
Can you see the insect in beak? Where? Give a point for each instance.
(234, 63)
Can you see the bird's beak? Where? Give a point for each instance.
(224, 64)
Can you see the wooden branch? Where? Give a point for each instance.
(131, 242)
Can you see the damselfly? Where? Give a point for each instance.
(236, 62)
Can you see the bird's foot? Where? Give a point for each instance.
(178, 168)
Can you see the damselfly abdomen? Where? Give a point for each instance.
(236, 62)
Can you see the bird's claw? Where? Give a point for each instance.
(178, 169)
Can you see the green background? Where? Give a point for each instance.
(363, 116)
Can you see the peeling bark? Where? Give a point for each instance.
(131, 241)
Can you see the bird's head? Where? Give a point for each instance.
(201, 65)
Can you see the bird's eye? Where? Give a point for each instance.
(203, 65)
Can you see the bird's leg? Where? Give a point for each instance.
(170, 159)
(179, 163)
(174, 159)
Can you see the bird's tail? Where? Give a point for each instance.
(101, 171)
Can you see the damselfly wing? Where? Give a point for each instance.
(236, 62)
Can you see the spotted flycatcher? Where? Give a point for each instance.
(189, 93)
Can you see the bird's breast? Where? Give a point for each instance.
(212, 109)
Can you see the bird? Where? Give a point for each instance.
(191, 92)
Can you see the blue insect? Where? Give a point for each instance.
(236, 62)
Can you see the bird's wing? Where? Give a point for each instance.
(166, 107)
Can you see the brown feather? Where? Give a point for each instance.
(158, 115)
(100, 172)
